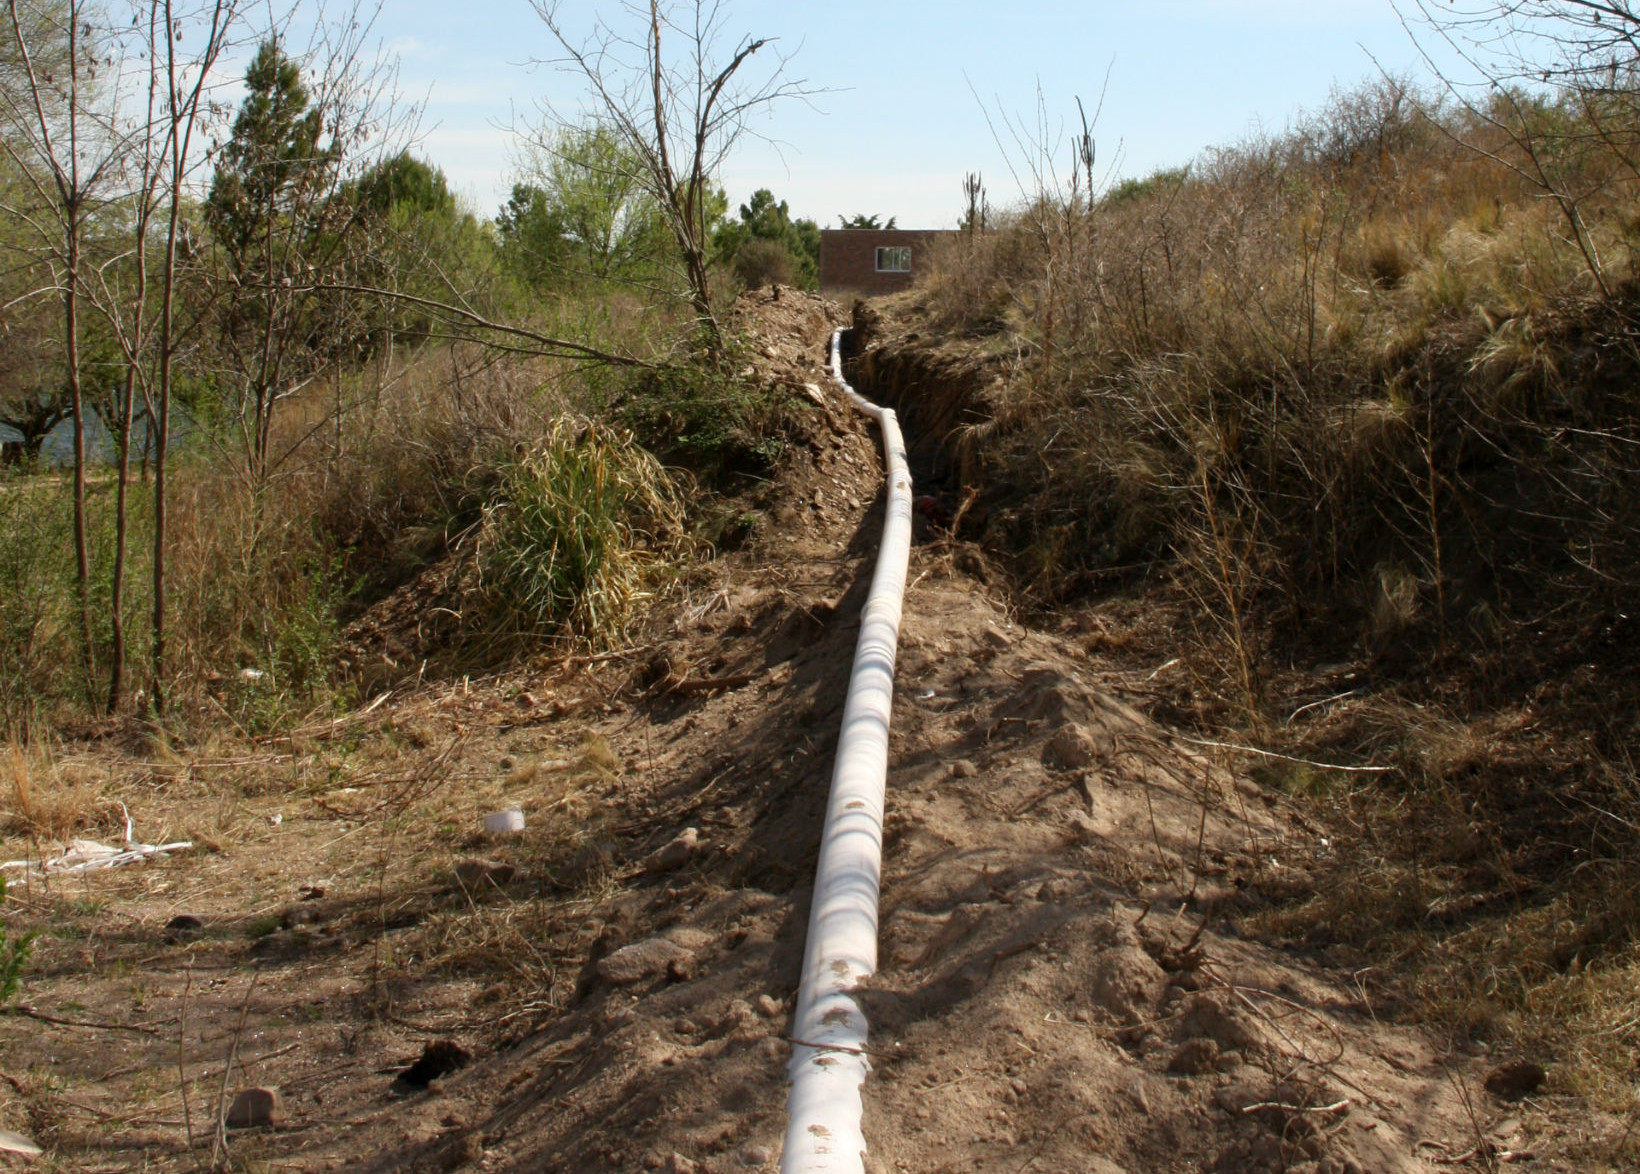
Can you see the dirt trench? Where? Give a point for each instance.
(1061, 984)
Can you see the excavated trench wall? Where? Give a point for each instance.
(940, 397)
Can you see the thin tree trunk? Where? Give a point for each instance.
(182, 110)
(116, 609)
(71, 343)
(162, 442)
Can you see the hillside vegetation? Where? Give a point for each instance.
(1346, 418)
(285, 371)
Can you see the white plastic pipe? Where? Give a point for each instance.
(829, 1061)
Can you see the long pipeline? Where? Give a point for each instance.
(829, 1059)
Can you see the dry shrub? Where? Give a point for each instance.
(41, 801)
(1354, 394)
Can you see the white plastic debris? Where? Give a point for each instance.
(504, 823)
(16, 1143)
(90, 856)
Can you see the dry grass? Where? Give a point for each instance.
(42, 801)
(1353, 395)
(372, 477)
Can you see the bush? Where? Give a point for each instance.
(1352, 396)
(708, 416)
(761, 262)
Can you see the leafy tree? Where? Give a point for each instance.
(534, 237)
(34, 393)
(678, 113)
(584, 211)
(861, 220)
(413, 243)
(766, 244)
(62, 135)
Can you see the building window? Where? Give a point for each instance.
(894, 260)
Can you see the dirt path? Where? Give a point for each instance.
(1061, 987)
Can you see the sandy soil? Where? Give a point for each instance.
(1062, 988)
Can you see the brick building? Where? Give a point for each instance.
(871, 260)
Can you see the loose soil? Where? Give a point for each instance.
(1063, 985)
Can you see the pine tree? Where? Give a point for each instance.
(273, 164)
(273, 213)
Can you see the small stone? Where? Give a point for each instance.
(478, 874)
(676, 854)
(963, 768)
(1075, 747)
(254, 1108)
(1136, 1093)
(1098, 1165)
(299, 915)
(755, 1155)
(642, 960)
(1019, 1086)
(678, 1164)
(1515, 1079)
(769, 1006)
(1194, 1057)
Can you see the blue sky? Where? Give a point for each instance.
(899, 124)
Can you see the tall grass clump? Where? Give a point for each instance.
(583, 524)
(15, 951)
